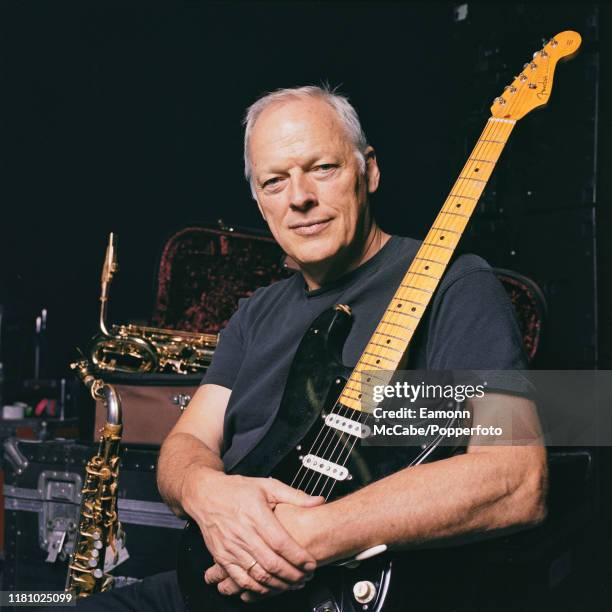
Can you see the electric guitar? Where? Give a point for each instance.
(314, 443)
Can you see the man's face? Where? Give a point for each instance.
(307, 180)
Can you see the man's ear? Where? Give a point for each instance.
(372, 171)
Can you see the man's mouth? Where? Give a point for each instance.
(308, 228)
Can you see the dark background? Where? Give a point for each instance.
(127, 117)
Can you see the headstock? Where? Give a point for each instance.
(532, 87)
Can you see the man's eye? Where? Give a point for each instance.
(325, 167)
(271, 182)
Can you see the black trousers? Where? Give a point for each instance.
(158, 593)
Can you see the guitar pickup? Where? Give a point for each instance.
(327, 468)
(354, 428)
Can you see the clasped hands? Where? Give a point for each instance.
(256, 530)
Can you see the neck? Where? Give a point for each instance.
(364, 247)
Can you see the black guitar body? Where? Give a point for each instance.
(316, 379)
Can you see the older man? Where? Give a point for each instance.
(311, 172)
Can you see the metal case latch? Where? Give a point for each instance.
(60, 493)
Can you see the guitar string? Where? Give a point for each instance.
(478, 153)
(441, 224)
(460, 190)
(437, 227)
(339, 437)
(366, 418)
(381, 331)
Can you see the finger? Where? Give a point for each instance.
(282, 493)
(266, 558)
(214, 574)
(262, 576)
(270, 562)
(278, 539)
(228, 587)
(250, 597)
(243, 580)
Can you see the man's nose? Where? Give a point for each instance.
(301, 194)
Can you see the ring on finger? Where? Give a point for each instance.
(248, 569)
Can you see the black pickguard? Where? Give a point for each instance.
(315, 380)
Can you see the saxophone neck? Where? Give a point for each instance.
(109, 268)
(100, 390)
(112, 401)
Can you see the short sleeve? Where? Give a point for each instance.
(473, 327)
(229, 353)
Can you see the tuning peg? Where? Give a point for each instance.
(510, 88)
(552, 42)
(522, 78)
(532, 86)
(499, 100)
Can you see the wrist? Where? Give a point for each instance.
(197, 478)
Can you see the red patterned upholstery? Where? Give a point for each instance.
(529, 304)
(204, 271)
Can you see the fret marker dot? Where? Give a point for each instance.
(378, 361)
(427, 267)
(476, 169)
(368, 380)
(388, 341)
(458, 205)
(413, 309)
(441, 237)
(399, 305)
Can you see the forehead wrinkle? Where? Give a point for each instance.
(285, 134)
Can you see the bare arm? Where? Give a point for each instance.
(235, 514)
(194, 442)
(488, 489)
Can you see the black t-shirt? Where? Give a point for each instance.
(469, 325)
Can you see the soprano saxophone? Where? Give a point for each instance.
(100, 538)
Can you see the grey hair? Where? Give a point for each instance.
(344, 109)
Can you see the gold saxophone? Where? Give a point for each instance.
(100, 538)
(135, 348)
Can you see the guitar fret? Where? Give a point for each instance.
(495, 141)
(484, 161)
(439, 246)
(470, 178)
(417, 288)
(449, 212)
(377, 355)
(370, 375)
(426, 275)
(407, 300)
(462, 197)
(370, 366)
(381, 333)
(398, 325)
(445, 229)
(399, 312)
(385, 346)
(347, 386)
(441, 263)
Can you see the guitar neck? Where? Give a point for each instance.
(386, 349)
